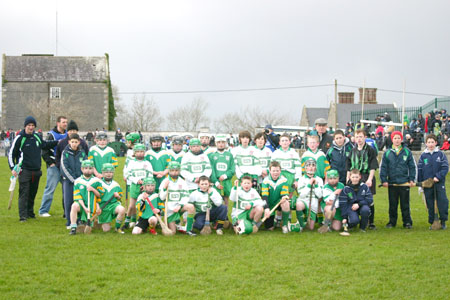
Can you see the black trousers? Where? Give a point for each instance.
(373, 190)
(28, 187)
(396, 193)
(437, 192)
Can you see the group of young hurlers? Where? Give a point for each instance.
(189, 191)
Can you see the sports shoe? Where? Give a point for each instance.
(443, 226)
(219, 231)
(363, 230)
(190, 233)
(73, 231)
(285, 229)
(68, 227)
(389, 225)
(44, 215)
(118, 230)
(407, 226)
(372, 226)
(180, 228)
(153, 231)
(23, 220)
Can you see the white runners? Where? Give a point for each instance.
(285, 229)
(219, 232)
(68, 227)
(45, 215)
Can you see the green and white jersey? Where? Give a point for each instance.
(143, 209)
(129, 157)
(102, 156)
(208, 150)
(304, 190)
(80, 192)
(246, 161)
(265, 156)
(159, 160)
(110, 188)
(193, 166)
(243, 199)
(138, 170)
(222, 163)
(175, 156)
(274, 190)
(289, 161)
(200, 200)
(321, 160)
(177, 193)
(328, 192)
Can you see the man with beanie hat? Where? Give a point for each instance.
(53, 175)
(398, 167)
(25, 162)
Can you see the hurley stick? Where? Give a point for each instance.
(165, 230)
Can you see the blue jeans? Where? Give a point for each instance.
(53, 177)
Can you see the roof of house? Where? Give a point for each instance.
(55, 68)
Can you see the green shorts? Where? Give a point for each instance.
(337, 215)
(108, 214)
(225, 192)
(242, 216)
(135, 190)
(174, 217)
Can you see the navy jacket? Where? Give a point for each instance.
(26, 150)
(398, 168)
(348, 197)
(337, 157)
(432, 164)
(63, 144)
(71, 163)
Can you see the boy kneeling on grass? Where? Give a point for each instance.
(310, 191)
(434, 164)
(113, 193)
(147, 211)
(248, 207)
(275, 189)
(355, 200)
(87, 189)
(202, 199)
(176, 190)
(331, 191)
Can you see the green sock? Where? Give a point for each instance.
(189, 222)
(285, 217)
(118, 223)
(133, 218)
(127, 220)
(300, 218)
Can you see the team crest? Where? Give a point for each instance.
(404, 157)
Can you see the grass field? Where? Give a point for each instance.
(39, 260)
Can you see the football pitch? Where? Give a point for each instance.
(39, 260)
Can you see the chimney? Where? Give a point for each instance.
(371, 96)
(346, 98)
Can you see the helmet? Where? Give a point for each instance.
(107, 167)
(156, 137)
(202, 134)
(332, 174)
(149, 181)
(174, 165)
(221, 138)
(310, 162)
(139, 147)
(195, 142)
(133, 137)
(87, 163)
(101, 135)
(178, 140)
(244, 226)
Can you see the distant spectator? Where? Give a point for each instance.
(119, 135)
(273, 140)
(387, 117)
(446, 143)
(421, 122)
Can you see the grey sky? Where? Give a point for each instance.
(215, 45)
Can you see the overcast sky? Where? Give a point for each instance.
(219, 45)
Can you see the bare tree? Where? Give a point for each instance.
(189, 117)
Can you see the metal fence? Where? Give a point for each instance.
(396, 113)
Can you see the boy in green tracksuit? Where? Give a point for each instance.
(87, 191)
(275, 188)
(331, 191)
(159, 159)
(114, 209)
(222, 165)
(146, 212)
(101, 154)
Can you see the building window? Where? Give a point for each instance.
(55, 93)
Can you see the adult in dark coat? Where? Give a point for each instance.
(325, 139)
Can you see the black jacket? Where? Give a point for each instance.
(325, 142)
(26, 150)
(62, 145)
